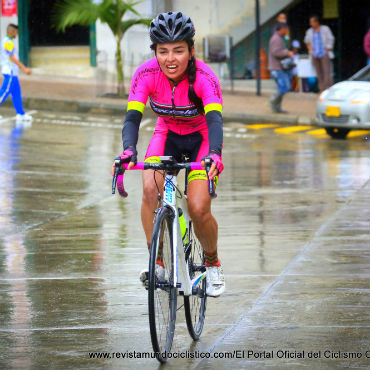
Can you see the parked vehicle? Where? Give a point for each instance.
(346, 105)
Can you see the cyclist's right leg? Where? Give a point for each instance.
(148, 206)
(150, 201)
(152, 185)
(152, 181)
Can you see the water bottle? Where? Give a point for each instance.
(183, 228)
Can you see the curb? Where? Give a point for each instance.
(268, 118)
(76, 106)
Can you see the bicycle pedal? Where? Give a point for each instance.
(144, 278)
(145, 284)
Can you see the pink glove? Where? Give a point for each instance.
(217, 161)
(130, 153)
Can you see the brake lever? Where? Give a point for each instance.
(117, 168)
(211, 184)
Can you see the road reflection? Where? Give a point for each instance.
(70, 253)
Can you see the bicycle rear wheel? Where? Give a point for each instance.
(195, 305)
(162, 296)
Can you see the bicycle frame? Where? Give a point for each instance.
(181, 278)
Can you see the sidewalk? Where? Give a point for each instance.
(80, 95)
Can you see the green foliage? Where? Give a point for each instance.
(71, 12)
(86, 12)
(67, 13)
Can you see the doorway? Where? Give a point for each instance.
(42, 31)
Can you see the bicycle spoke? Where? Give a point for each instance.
(162, 295)
(195, 305)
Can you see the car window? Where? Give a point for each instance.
(362, 75)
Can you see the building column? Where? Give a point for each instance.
(92, 38)
(24, 34)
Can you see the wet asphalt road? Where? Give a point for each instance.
(293, 213)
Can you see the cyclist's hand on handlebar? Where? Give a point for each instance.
(216, 167)
(131, 154)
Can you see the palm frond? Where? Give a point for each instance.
(130, 6)
(67, 13)
(125, 25)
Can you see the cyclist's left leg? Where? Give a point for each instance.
(206, 229)
(199, 201)
(205, 225)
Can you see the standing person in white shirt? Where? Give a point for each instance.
(10, 64)
(320, 42)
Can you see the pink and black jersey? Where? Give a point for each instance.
(172, 105)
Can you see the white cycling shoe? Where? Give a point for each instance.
(215, 281)
(159, 273)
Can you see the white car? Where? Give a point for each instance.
(346, 105)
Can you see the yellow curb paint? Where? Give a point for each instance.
(261, 126)
(356, 133)
(289, 130)
(318, 132)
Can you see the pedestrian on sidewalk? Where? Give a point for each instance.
(9, 68)
(320, 42)
(367, 46)
(278, 52)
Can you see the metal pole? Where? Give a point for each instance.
(231, 65)
(258, 64)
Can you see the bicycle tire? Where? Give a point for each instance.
(162, 296)
(195, 305)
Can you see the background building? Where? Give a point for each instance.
(81, 49)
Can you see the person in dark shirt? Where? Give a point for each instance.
(278, 52)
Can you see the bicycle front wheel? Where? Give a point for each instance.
(162, 296)
(195, 305)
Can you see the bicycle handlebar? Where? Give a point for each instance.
(163, 166)
(167, 164)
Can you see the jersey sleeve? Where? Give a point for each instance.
(208, 88)
(140, 88)
(9, 47)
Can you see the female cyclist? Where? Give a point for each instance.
(186, 96)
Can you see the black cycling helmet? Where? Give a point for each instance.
(171, 27)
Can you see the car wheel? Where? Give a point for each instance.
(337, 133)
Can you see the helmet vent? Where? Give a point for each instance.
(185, 31)
(170, 24)
(163, 29)
(179, 15)
(161, 17)
(178, 28)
